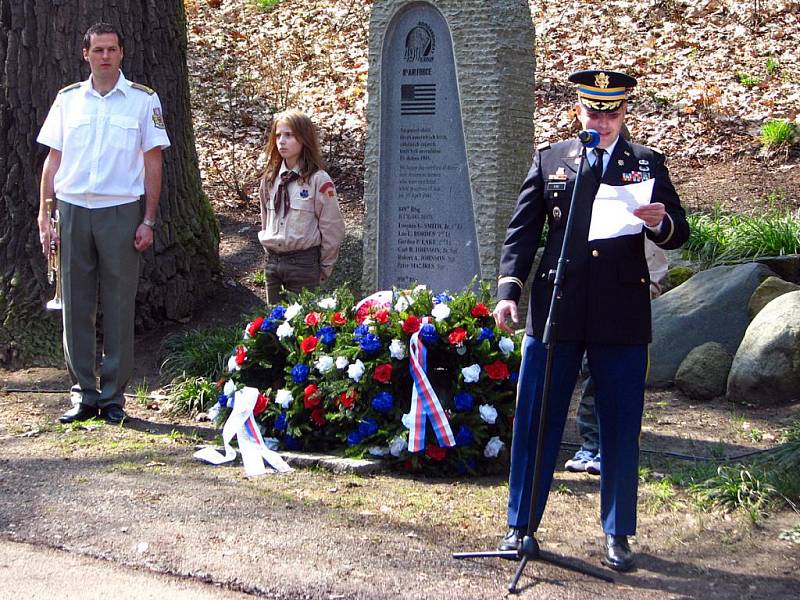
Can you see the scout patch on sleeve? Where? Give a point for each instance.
(328, 189)
(158, 119)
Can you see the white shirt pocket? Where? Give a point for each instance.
(77, 131)
(123, 132)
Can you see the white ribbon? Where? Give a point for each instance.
(242, 425)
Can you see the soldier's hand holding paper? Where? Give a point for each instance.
(614, 210)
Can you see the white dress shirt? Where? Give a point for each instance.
(102, 140)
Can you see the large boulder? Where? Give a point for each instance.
(709, 307)
(770, 288)
(786, 267)
(766, 368)
(704, 372)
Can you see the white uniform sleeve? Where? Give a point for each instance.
(52, 132)
(154, 131)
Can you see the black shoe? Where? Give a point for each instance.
(79, 412)
(513, 539)
(113, 414)
(618, 553)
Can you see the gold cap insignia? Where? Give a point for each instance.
(601, 80)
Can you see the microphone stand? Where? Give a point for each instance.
(529, 550)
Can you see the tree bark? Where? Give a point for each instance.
(40, 52)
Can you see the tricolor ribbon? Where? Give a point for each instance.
(242, 425)
(424, 401)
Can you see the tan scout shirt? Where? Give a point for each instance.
(314, 218)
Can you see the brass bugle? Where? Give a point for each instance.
(54, 256)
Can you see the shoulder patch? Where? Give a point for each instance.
(73, 86)
(543, 146)
(143, 88)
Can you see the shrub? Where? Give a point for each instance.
(777, 134)
(198, 353)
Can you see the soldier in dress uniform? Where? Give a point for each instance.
(604, 311)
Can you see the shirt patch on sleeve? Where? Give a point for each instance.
(158, 119)
(328, 189)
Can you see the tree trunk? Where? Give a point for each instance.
(40, 52)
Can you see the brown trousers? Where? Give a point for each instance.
(292, 271)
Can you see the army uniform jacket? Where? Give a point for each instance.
(605, 292)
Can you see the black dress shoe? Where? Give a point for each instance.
(113, 414)
(618, 553)
(513, 539)
(79, 412)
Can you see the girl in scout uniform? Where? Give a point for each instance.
(301, 225)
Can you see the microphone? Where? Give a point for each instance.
(589, 138)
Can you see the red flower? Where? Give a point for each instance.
(497, 370)
(261, 404)
(412, 324)
(382, 316)
(364, 310)
(318, 417)
(479, 310)
(436, 452)
(457, 336)
(310, 396)
(338, 319)
(383, 373)
(312, 319)
(241, 355)
(253, 328)
(347, 399)
(308, 344)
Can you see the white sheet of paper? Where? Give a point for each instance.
(612, 213)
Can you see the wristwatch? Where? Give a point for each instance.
(149, 223)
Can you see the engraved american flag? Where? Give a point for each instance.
(418, 99)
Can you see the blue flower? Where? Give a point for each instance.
(359, 332)
(327, 335)
(464, 437)
(353, 438)
(466, 467)
(371, 343)
(278, 312)
(383, 402)
(442, 298)
(486, 334)
(223, 400)
(463, 402)
(514, 377)
(428, 334)
(367, 427)
(292, 443)
(300, 373)
(269, 324)
(280, 422)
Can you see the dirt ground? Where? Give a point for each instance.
(134, 497)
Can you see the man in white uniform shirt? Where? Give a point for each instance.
(105, 136)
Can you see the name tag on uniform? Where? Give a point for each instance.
(552, 186)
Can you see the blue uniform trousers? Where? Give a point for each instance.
(619, 373)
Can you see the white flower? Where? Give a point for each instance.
(407, 420)
(327, 303)
(397, 349)
(471, 373)
(246, 335)
(493, 447)
(367, 321)
(284, 330)
(271, 443)
(284, 398)
(402, 304)
(341, 362)
(378, 451)
(356, 370)
(232, 366)
(506, 345)
(230, 388)
(441, 311)
(292, 311)
(488, 413)
(324, 363)
(420, 288)
(213, 412)
(397, 445)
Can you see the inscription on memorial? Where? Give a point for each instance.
(426, 229)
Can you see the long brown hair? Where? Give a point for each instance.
(304, 130)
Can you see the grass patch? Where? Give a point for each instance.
(717, 238)
(773, 66)
(267, 5)
(746, 79)
(778, 134)
(199, 353)
(190, 395)
(259, 278)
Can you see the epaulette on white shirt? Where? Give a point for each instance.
(72, 86)
(142, 87)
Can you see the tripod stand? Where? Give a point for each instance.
(529, 549)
